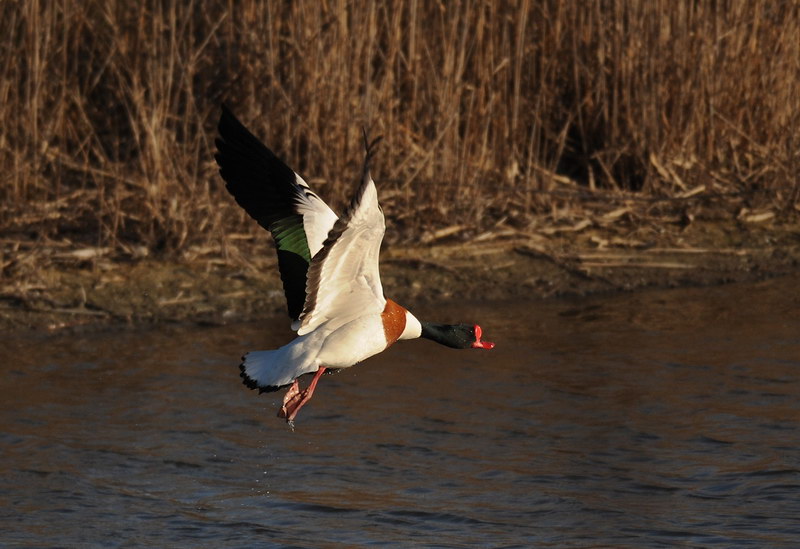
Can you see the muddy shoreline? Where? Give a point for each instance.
(85, 291)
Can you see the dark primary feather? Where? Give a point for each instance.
(369, 151)
(267, 189)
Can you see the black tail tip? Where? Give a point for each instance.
(248, 381)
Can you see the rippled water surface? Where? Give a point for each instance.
(650, 419)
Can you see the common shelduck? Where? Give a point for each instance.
(329, 269)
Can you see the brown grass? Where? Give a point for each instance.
(495, 114)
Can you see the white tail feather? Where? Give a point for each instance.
(270, 370)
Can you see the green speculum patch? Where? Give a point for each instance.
(290, 236)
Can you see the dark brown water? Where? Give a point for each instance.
(654, 419)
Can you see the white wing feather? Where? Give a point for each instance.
(318, 218)
(344, 279)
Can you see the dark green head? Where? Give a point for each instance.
(457, 336)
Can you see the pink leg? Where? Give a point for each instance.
(292, 394)
(295, 399)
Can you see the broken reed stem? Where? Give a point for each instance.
(108, 110)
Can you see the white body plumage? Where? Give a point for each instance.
(331, 345)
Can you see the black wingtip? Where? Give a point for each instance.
(369, 148)
(226, 110)
(229, 125)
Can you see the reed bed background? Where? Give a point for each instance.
(495, 115)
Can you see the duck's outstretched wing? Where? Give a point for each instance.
(343, 279)
(278, 199)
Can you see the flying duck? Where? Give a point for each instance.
(329, 269)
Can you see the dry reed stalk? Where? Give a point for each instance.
(108, 109)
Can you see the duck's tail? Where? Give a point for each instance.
(271, 370)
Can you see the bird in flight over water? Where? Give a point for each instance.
(329, 269)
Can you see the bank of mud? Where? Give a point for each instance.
(88, 288)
